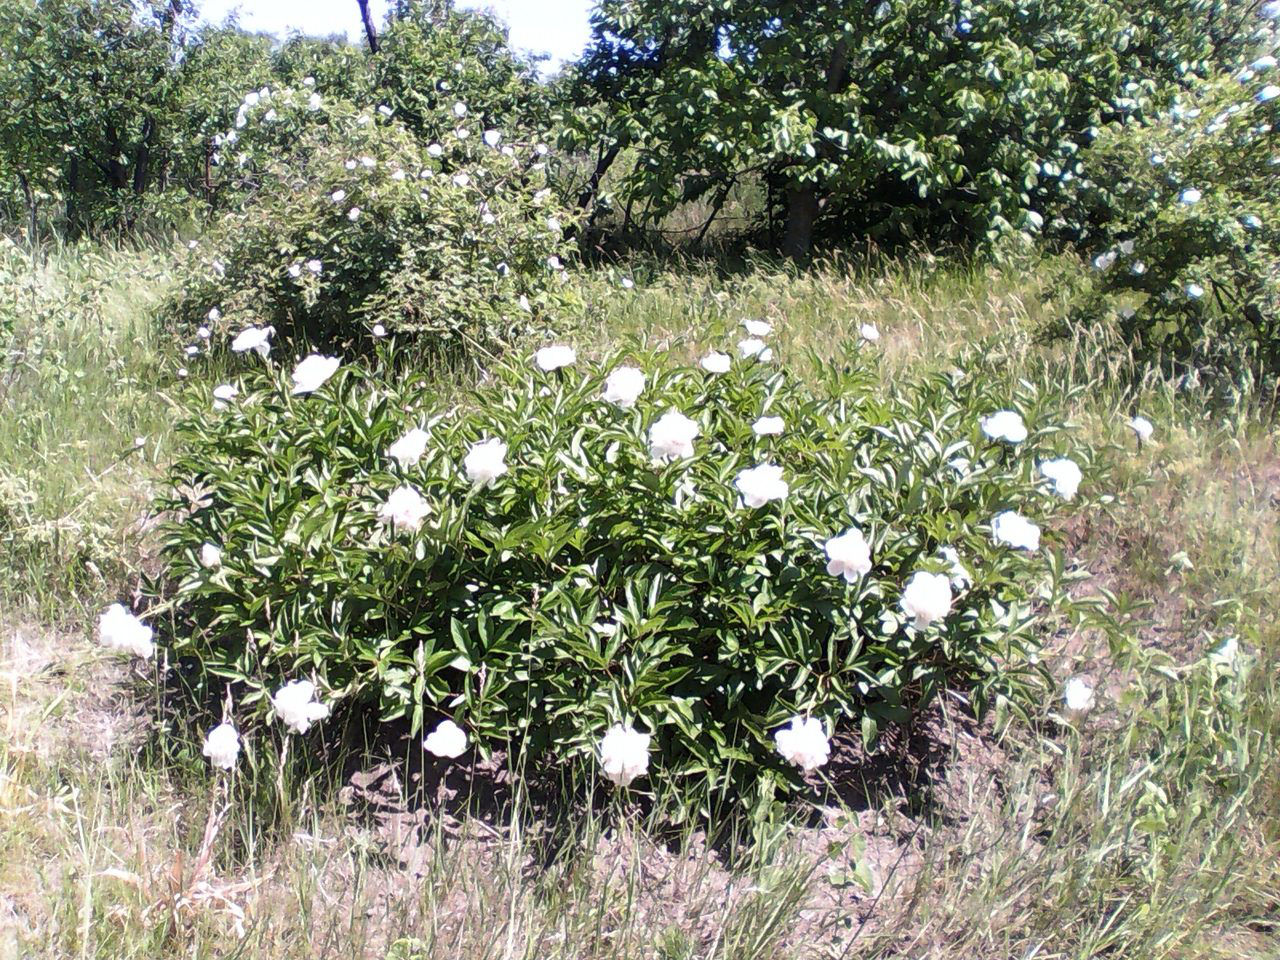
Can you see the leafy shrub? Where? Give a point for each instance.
(589, 584)
(1187, 251)
(350, 223)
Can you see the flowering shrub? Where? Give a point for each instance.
(351, 226)
(1188, 253)
(585, 564)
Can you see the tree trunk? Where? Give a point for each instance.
(369, 32)
(30, 196)
(604, 160)
(802, 211)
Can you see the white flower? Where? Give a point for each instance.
(926, 598)
(715, 362)
(768, 427)
(222, 746)
(1104, 261)
(672, 436)
(553, 358)
(553, 262)
(485, 461)
(1271, 10)
(804, 743)
(959, 574)
(1263, 63)
(757, 328)
(1142, 428)
(368, 162)
(313, 101)
(269, 116)
(1226, 652)
(311, 373)
(848, 555)
(315, 266)
(1269, 92)
(384, 110)
(759, 485)
(214, 315)
(379, 330)
(459, 109)
(308, 81)
(627, 283)
(182, 373)
(295, 270)
(338, 196)
(435, 150)
(492, 137)
(1251, 222)
(1194, 291)
(255, 339)
(398, 176)
(1077, 695)
(192, 351)
(1189, 196)
(203, 333)
(754, 347)
(1064, 475)
(223, 394)
(624, 386)
(553, 225)
(408, 450)
(210, 556)
(461, 179)
(1004, 425)
(119, 629)
(404, 510)
(869, 332)
(624, 754)
(353, 214)
(447, 740)
(1015, 530)
(295, 703)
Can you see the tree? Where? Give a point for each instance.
(87, 85)
(898, 120)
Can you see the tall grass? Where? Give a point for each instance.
(1146, 829)
(83, 419)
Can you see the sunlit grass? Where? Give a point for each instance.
(1050, 842)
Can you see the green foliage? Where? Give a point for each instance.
(349, 222)
(590, 584)
(431, 56)
(85, 85)
(113, 106)
(1195, 278)
(906, 120)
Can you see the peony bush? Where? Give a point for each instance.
(350, 227)
(697, 572)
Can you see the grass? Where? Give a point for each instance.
(81, 421)
(1148, 829)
